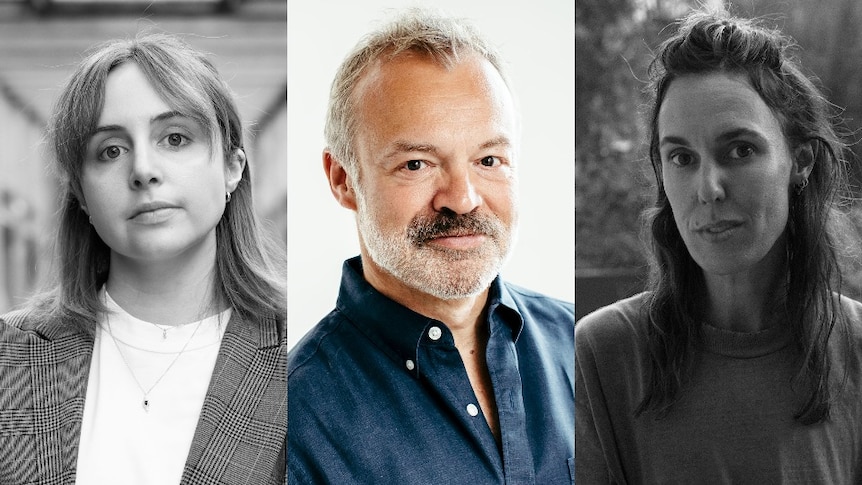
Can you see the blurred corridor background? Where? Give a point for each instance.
(41, 42)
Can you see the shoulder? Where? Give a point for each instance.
(15, 318)
(852, 313)
(17, 323)
(852, 310)
(542, 307)
(533, 297)
(614, 325)
(546, 319)
(306, 356)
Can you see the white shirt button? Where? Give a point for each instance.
(472, 410)
(410, 365)
(434, 333)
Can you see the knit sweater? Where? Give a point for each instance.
(733, 422)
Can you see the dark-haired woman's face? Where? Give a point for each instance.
(727, 172)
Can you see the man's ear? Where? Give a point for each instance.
(339, 181)
(803, 163)
(233, 169)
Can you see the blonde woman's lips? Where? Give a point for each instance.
(153, 213)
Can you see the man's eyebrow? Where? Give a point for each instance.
(155, 119)
(496, 142)
(402, 146)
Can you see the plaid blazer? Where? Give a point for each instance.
(240, 436)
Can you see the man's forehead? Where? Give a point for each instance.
(387, 68)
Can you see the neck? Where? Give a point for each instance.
(171, 292)
(744, 302)
(463, 316)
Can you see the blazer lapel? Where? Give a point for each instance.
(241, 433)
(59, 368)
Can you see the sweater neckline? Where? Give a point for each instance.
(745, 345)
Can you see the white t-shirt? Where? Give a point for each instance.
(121, 440)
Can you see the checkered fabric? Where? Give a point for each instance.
(240, 436)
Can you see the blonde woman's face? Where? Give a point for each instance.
(153, 185)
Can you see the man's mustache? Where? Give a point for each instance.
(423, 228)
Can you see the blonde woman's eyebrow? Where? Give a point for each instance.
(161, 117)
(167, 115)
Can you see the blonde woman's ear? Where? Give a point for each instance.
(233, 169)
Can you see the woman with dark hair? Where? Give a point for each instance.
(159, 354)
(742, 363)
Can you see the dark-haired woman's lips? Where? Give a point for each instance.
(718, 230)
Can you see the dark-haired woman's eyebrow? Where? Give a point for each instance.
(733, 134)
(673, 140)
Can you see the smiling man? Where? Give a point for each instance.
(430, 369)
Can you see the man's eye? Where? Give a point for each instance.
(489, 161)
(414, 165)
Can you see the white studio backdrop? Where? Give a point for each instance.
(537, 40)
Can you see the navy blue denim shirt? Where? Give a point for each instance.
(378, 394)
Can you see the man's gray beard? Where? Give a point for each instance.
(432, 270)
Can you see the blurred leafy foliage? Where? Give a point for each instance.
(613, 42)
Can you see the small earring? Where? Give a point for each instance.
(227, 197)
(801, 186)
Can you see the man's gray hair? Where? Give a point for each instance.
(443, 39)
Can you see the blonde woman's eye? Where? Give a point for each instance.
(176, 140)
(112, 152)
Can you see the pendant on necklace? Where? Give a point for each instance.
(146, 405)
(164, 334)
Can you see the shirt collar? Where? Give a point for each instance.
(398, 330)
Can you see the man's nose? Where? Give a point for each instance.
(457, 191)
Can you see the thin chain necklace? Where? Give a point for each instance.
(145, 402)
(163, 329)
(168, 327)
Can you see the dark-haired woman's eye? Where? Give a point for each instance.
(681, 159)
(742, 151)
